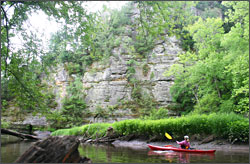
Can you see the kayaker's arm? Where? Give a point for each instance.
(180, 143)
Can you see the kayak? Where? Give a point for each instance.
(152, 147)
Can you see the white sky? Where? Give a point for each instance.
(44, 28)
(41, 22)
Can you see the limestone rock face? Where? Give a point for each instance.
(106, 83)
(109, 86)
(58, 80)
(35, 120)
(161, 92)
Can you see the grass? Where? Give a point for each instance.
(90, 130)
(226, 126)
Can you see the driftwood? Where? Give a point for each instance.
(17, 134)
(54, 150)
(207, 139)
(110, 137)
(98, 140)
(106, 139)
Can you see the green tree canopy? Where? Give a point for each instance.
(215, 77)
(21, 70)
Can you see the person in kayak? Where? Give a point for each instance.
(185, 143)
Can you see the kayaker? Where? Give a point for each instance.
(185, 143)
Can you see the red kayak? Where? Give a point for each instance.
(152, 147)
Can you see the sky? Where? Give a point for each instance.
(40, 20)
(40, 24)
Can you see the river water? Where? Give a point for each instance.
(11, 149)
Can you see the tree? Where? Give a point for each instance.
(216, 74)
(22, 69)
(159, 18)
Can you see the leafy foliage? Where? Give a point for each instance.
(4, 124)
(89, 130)
(156, 114)
(74, 105)
(73, 110)
(238, 131)
(159, 18)
(227, 126)
(22, 69)
(215, 77)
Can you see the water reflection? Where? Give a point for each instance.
(181, 157)
(118, 154)
(112, 154)
(12, 148)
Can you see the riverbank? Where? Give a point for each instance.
(231, 127)
(217, 145)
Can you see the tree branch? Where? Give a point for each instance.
(217, 88)
(23, 86)
(17, 134)
(11, 5)
(8, 41)
(196, 96)
(161, 12)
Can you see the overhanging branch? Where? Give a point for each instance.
(8, 41)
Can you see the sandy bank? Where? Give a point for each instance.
(217, 144)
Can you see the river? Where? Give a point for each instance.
(11, 149)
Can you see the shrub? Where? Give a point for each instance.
(4, 124)
(73, 68)
(238, 131)
(156, 114)
(228, 126)
(90, 130)
(145, 69)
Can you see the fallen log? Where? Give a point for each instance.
(207, 139)
(54, 150)
(17, 134)
(99, 140)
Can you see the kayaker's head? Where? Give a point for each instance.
(186, 138)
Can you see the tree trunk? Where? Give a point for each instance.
(54, 150)
(20, 135)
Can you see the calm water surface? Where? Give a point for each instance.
(111, 154)
(11, 149)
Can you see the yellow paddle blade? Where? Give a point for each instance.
(168, 136)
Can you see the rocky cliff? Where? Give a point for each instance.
(106, 83)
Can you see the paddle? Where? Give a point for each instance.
(169, 137)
